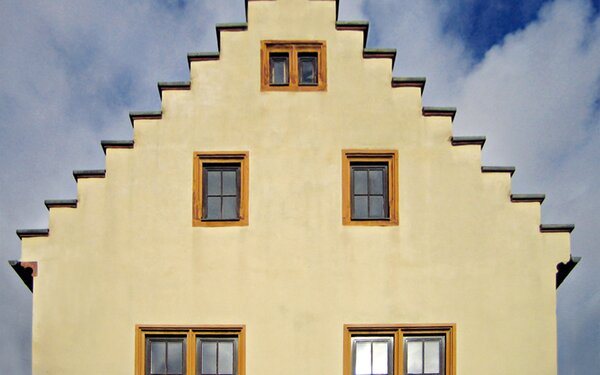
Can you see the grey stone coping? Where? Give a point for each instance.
(439, 111)
(409, 82)
(380, 53)
(27, 233)
(557, 228)
(539, 198)
(473, 140)
(202, 56)
(146, 115)
(89, 173)
(53, 203)
(180, 85)
(234, 26)
(496, 169)
(116, 144)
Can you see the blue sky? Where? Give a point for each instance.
(524, 73)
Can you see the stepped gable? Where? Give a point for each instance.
(563, 269)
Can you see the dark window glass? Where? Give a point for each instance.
(424, 355)
(369, 191)
(216, 356)
(279, 69)
(165, 356)
(221, 192)
(372, 355)
(307, 68)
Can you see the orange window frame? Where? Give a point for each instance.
(294, 48)
(398, 332)
(389, 157)
(200, 158)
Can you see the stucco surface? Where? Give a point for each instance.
(128, 254)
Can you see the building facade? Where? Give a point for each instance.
(294, 208)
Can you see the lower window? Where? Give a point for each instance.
(399, 349)
(194, 350)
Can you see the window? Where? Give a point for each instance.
(293, 66)
(220, 195)
(399, 349)
(369, 187)
(195, 350)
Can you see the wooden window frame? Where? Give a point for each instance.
(142, 332)
(293, 48)
(398, 332)
(241, 157)
(389, 157)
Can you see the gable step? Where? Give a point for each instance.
(237, 26)
(28, 233)
(439, 111)
(148, 115)
(354, 26)
(380, 53)
(116, 144)
(521, 198)
(201, 56)
(90, 173)
(165, 86)
(409, 82)
(556, 228)
(56, 203)
(464, 141)
(495, 169)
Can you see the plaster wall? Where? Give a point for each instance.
(128, 254)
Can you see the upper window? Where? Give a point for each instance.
(190, 350)
(370, 187)
(400, 349)
(294, 66)
(220, 189)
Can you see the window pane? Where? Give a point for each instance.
(230, 209)
(214, 182)
(414, 357)
(213, 208)
(279, 69)
(175, 357)
(226, 358)
(432, 357)
(360, 182)
(308, 70)
(376, 182)
(360, 207)
(376, 207)
(209, 357)
(363, 358)
(229, 182)
(380, 358)
(158, 351)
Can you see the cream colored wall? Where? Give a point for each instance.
(462, 253)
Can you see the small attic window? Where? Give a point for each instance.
(293, 66)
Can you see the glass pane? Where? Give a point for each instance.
(376, 206)
(230, 208)
(175, 357)
(360, 207)
(229, 183)
(414, 357)
(360, 182)
(362, 365)
(213, 208)
(380, 358)
(213, 181)
(376, 182)
(226, 358)
(158, 351)
(432, 357)
(209, 357)
(308, 70)
(279, 70)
